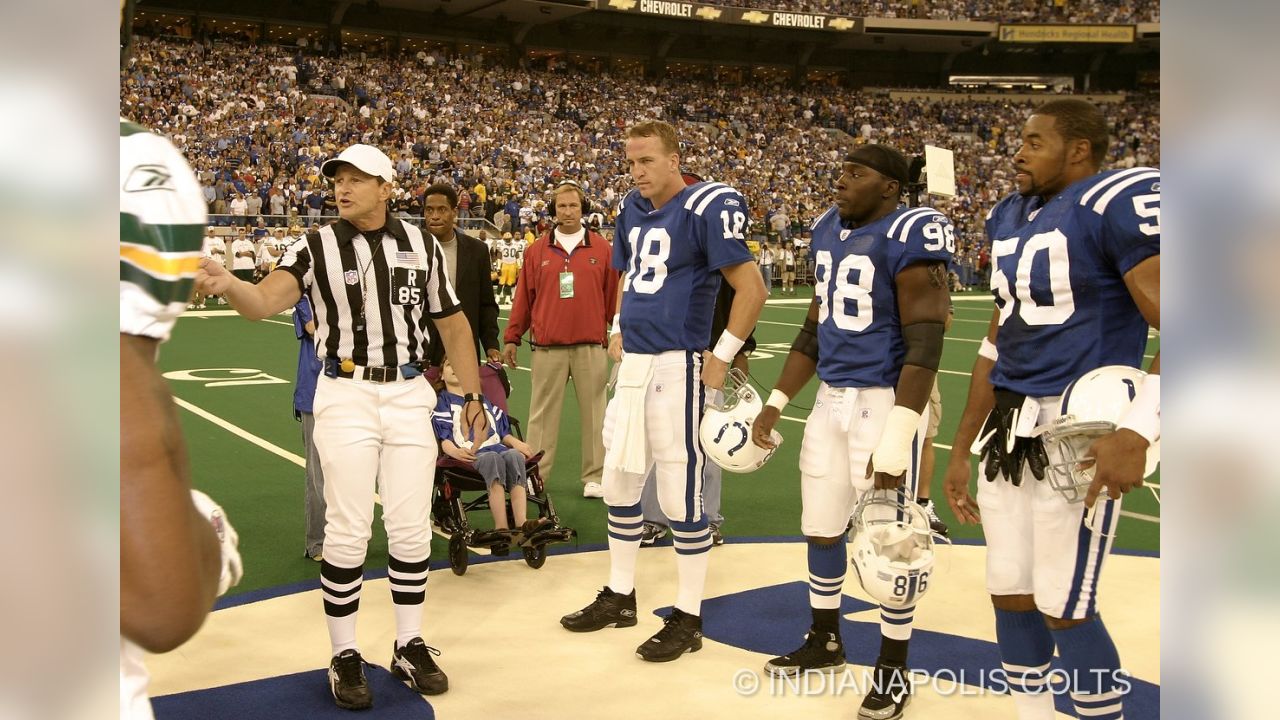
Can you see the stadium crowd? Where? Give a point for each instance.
(1025, 11)
(257, 121)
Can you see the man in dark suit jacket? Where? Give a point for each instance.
(467, 260)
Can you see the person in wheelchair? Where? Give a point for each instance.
(499, 458)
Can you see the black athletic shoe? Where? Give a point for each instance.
(935, 522)
(415, 665)
(889, 694)
(680, 633)
(347, 682)
(821, 651)
(651, 533)
(717, 537)
(608, 609)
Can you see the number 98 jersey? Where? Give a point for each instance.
(1057, 272)
(855, 271)
(670, 258)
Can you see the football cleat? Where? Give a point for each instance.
(889, 694)
(610, 609)
(821, 651)
(717, 537)
(652, 533)
(347, 681)
(413, 663)
(681, 633)
(935, 522)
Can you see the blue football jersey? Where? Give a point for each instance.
(670, 260)
(859, 331)
(1058, 277)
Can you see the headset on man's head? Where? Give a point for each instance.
(582, 196)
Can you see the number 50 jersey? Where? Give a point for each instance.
(1057, 272)
(855, 270)
(670, 258)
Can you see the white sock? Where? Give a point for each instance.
(342, 632)
(1034, 707)
(626, 524)
(692, 540)
(693, 581)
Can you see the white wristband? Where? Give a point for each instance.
(1143, 416)
(988, 350)
(778, 399)
(727, 346)
(617, 325)
(893, 452)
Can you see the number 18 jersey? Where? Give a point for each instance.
(1058, 277)
(855, 269)
(670, 260)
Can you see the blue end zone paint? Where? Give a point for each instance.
(773, 621)
(254, 596)
(301, 695)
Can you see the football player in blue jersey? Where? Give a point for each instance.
(874, 337)
(673, 243)
(1076, 278)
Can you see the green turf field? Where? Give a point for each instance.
(233, 381)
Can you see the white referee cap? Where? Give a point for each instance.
(365, 158)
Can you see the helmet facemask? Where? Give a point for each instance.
(1066, 442)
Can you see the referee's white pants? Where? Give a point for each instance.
(375, 437)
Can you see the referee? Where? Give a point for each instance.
(372, 280)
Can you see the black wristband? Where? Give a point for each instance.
(472, 397)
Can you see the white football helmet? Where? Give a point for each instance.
(1092, 406)
(726, 428)
(893, 553)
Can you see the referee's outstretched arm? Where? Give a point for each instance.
(277, 292)
(460, 347)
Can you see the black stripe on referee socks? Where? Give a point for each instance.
(402, 566)
(403, 598)
(335, 610)
(340, 575)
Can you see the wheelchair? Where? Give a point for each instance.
(450, 507)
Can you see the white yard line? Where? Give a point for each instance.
(242, 433)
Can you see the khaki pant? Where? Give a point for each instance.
(552, 368)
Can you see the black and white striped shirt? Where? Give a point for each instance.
(401, 276)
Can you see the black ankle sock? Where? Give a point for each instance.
(893, 651)
(826, 620)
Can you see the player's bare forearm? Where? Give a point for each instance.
(460, 348)
(797, 370)
(915, 385)
(923, 306)
(748, 298)
(276, 293)
(170, 557)
(800, 367)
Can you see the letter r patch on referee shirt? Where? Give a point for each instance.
(407, 285)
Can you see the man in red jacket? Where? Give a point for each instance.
(566, 295)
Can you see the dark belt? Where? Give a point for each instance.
(379, 374)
